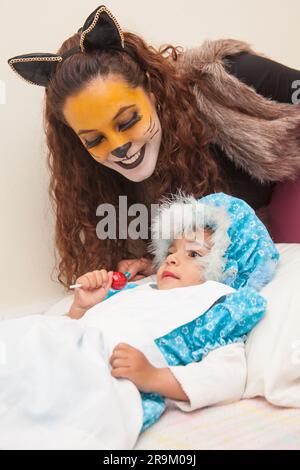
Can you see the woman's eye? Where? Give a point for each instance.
(136, 117)
(92, 143)
(122, 127)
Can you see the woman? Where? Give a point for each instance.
(122, 118)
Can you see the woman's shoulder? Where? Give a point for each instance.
(268, 77)
(211, 51)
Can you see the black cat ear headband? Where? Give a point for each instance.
(100, 31)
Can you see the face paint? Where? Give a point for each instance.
(124, 131)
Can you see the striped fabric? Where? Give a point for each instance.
(246, 425)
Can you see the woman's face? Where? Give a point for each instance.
(118, 125)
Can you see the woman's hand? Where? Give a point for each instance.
(94, 288)
(130, 363)
(143, 266)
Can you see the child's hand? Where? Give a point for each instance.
(143, 266)
(130, 363)
(95, 286)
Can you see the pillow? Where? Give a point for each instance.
(273, 346)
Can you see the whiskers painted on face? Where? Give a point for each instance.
(154, 134)
(151, 128)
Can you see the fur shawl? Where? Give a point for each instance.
(258, 134)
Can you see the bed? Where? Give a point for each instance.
(248, 424)
(245, 425)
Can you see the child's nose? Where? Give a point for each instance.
(172, 258)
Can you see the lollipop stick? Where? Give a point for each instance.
(73, 286)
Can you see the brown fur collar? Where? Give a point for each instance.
(258, 134)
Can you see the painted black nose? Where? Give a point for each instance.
(120, 152)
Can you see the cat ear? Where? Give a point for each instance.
(35, 68)
(101, 30)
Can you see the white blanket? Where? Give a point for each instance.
(56, 389)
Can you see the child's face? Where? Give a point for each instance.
(182, 267)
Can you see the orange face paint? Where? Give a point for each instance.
(120, 121)
(97, 105)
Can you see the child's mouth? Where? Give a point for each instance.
(169, 274)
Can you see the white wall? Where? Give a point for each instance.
(26, 236)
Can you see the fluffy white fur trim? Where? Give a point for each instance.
(182, 214)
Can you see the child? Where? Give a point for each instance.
(64, 384)
(217, 238)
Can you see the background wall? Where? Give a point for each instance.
(26, 236)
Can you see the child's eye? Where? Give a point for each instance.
(194, 254)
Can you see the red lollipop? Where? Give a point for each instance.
(119, 280)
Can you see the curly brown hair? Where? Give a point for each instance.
(78, 184)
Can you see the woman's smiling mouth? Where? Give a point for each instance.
(134, 160)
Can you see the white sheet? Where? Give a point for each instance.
(56, 390)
